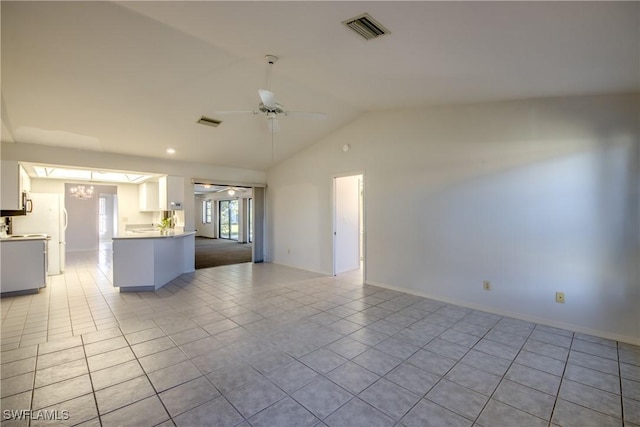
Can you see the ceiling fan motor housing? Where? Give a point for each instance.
(276, 109)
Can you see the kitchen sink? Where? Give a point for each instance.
(22, 236)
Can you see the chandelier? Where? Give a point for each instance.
(81, 192)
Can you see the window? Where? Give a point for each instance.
(206, 212)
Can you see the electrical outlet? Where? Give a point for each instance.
(486, 285)
(560, 297)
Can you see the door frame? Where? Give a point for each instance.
(334, 219)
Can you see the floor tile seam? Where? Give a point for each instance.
(33, 382)
(547, 343)
(172, 417)
(521, 409)
(595, 355)
(601, 357)
(244, 385)
(592, 409)
(503, 375)
(145, 375)
(451, 410)
(593, 387)
(622, 405)
(299, 359)
(24, 322)
(564, 371)
(286, 396)
(353, 396)
(442, 377)
(93, 390)
(420, 397)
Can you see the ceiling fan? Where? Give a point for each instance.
(213, 188)
(270, 107)
(230, 190)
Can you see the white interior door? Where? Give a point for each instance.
(346, 223)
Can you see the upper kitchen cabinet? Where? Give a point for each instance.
(15, 182)
(149, 197)
(171, 193)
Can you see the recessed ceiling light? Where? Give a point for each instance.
(171, 151)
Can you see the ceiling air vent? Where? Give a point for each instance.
(209, 121)
(366, 26)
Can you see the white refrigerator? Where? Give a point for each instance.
(48, 217)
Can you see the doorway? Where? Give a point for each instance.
(348, 224)
(229, 224)
(107, 216)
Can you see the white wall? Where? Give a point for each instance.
(82, 229)
(536, 196)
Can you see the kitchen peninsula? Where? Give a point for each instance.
(146, 261)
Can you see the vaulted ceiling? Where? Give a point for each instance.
(134, 77)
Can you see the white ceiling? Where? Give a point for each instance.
(134, 77)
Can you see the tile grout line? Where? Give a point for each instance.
(179, 311)
(506, 370)
(620, 378)
(566, 364)
(424, 396)
(33, 384)
(93, 389)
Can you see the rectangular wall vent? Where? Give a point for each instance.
(366, 26)
(209, 121)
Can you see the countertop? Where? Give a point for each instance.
(23, 237)
(152, 235)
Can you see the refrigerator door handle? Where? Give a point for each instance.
(66, 218)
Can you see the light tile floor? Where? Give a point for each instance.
(267, 345)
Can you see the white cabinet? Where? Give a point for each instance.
(171, 193)
(23, 265)
(148, 197)
(15, 181)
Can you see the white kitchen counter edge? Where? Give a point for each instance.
(22, 239)
(154, 235)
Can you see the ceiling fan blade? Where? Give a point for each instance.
(307, 114)
(236, 112)
(267, 97)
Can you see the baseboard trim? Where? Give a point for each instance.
(534, 319)
(300, 268)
